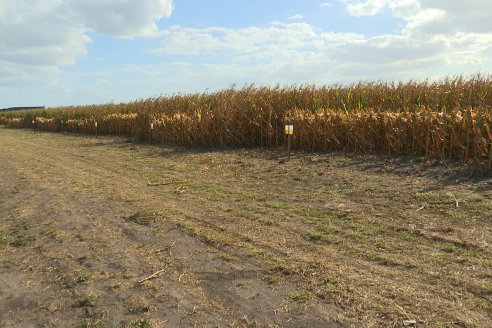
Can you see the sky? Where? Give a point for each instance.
(77, 52)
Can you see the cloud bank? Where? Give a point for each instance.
(436, 38)
(39, 37)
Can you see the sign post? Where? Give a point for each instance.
(151, 132)
(289, 131)
(96, 128)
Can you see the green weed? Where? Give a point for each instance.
(253, 251)
(216, 239)
(329, 283)
(349, 251)
(93, 324)
(143, 218)
(224, 257)
(83, 278)
(314, 236)
(283, 266)
(138, 304)
(142, 323)
(300, 296)
(23, 240)
(277, 205)
(450, 248)
(273, 279)
(84, 302)
(374, 257)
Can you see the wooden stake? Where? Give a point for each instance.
(151, 132)
(289, 131)
(289, 145)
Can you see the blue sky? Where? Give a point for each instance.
(326, 15)
(71, 52)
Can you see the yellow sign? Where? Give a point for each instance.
(289, 129)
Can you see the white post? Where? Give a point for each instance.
(289, 131)
(151, 132)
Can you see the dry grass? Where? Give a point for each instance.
(447, 119)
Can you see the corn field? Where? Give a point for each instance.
(447, 119)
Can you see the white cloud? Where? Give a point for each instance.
(298, 52)
(430, 16)
(455, 17)
(211, 41)
(39, 37)
(367, 7)
(130, 18)
(296, 17)
(326, 4)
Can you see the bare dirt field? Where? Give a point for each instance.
(109, 233)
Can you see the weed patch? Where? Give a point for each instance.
(139, 304)
(93, 324)
(300, 296)
(216, 239)
(452, 248)
(253, 251)
(224, 257)
(314, 236)
(374, 257)
(142, 323)
(283, 266)
(273, 279)
(142, 218)
(349, 251)
(83, 278)
(277, 205)
(268, 222)
(88, 301)
(329, 284)
(51, 234)
(23, 240)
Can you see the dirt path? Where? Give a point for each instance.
(103, 233)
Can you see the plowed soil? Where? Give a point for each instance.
(110, 233)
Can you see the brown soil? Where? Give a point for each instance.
(108, 233)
